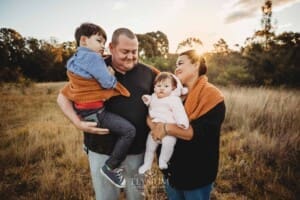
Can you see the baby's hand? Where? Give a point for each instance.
(146, 99)
(111, 70)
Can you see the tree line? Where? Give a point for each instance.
(264, 59)
(30, 58)
(41, 60)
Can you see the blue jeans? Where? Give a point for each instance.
(202, 193)
(117, 125)
(104, 190)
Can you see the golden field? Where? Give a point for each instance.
(41, 154)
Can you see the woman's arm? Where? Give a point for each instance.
(174, 130)
(209, 123)
(160, 130)
(67, 108)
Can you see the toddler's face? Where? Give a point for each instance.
(96, 43)
(163, 88)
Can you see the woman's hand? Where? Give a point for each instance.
(155, 129)
(158, 131)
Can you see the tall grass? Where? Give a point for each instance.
(260, 145)
(41, 153)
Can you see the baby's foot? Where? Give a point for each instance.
(143, 169)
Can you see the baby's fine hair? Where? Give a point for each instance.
(88, 29)
(162, 76)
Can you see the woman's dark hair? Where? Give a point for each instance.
(194, 56)
(88, 29)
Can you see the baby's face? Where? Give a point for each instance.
(163, 88)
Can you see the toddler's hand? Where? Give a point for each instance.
(111, 70)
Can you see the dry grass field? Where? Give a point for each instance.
(41, 154)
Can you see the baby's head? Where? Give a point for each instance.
(91, 36)
(166, 84)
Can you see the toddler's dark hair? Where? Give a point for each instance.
(88, 29)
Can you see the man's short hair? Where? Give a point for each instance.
(121, 31)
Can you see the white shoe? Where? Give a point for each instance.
(163, 165)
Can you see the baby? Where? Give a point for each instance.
(165, 106)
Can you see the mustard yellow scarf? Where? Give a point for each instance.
(83, 90)
(202, 98)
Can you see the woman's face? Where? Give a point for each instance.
(185, 70)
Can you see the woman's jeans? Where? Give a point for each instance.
(202, 193)
(104, 190)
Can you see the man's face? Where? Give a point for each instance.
(124, 53)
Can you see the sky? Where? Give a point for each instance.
(232, 20)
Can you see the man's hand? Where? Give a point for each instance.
(91, 127)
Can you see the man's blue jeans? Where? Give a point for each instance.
(202, 193)
(104, 190)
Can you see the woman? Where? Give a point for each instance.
(194, 164)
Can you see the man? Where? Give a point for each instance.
(138, 80)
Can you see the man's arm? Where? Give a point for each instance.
(67, 108)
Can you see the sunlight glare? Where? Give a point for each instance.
(199, 49)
